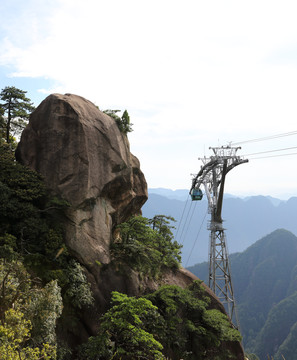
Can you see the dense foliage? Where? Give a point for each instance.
(127, 331)
(15, 109)
(147, 245)
(170, 323)
(190, 324)
(28, 314)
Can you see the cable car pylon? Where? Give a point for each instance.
(212, 176)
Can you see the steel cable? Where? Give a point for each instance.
(196, 238)
(265, 138)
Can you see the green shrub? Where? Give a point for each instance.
(122, 122)
(146, 245)
(126, 331)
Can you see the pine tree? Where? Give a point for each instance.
(14, 111)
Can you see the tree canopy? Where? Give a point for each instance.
(15, 109)
(171, 323)
(123, 122)
(147, 245)
(126, 331)
(28, 314)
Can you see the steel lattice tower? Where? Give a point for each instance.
(212, 175)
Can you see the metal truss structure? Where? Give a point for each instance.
(212, 176)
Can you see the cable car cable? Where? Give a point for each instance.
(186, 220)
(196, 238)
(265, 138)
(271, 156)
(189, 222)
(269, 151)
(181, 219)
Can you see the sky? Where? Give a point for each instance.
(192, 74)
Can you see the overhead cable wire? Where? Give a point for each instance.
(181, 219)
(270, 151)
(183, 228)
(271, 137)
(189, 222)
(196, 238)
(271, 156)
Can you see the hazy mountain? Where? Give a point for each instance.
(245, 220)
(264, 279)
(180, 194)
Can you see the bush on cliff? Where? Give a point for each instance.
(28, 314)
(128, 330)
(172, 323)
(122, 122)
(146, 245)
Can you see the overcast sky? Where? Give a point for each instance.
(192, 74)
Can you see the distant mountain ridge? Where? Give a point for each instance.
(180, 194)
(246, 220)
(183, 194)
(264, 279)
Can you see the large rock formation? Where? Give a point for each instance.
(86, 160)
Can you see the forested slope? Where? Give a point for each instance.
(265, 286)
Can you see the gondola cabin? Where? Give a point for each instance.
(196, 194)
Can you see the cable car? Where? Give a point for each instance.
(196, 194)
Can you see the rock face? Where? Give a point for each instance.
(86, 160)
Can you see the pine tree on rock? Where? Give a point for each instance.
(15, 109)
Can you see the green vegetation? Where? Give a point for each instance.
(264, 280)
(279, 330)
(37, 275)
(126, 331)
(288, 349)
(147, 245)
(123, 122)
(190, 324)
(28, 314)
(14, 112)
(170, 323)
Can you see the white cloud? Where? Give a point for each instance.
(191, 73)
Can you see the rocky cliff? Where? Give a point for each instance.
(86, 160)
